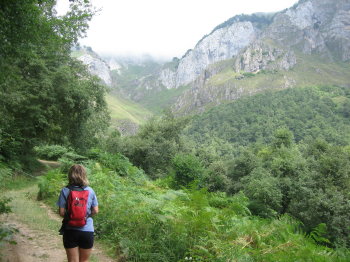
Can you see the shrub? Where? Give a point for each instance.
(50, 152)
(248, 74)
(264, 192)
(51, 184)
(5, 174)
(187, 168)
(216, 179)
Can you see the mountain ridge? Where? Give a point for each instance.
(310, 30)
(304, 45)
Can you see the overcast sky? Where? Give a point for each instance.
(162, 28)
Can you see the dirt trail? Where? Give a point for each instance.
(32, 245)
(36, 240)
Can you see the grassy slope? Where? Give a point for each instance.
(134, 79)
(121, 108)
(125, 109)
(158, 100)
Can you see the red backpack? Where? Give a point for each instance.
(77, 206)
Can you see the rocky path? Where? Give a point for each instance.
(37, 238)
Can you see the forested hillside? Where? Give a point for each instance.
(310, 113)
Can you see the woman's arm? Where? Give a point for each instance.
(94, 210)
(61, 211)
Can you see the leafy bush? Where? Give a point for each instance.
(216, 178)
(50, 152)
(186, 168)
(70, 158)
(5, 174)
(156, 144)
(115, 162)
(5, 232)
(264, 191)
(51, 184)
(248, 74)
(4, 207)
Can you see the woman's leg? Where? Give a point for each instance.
(72, 254)
(84, 254)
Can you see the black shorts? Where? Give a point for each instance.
(76, 238)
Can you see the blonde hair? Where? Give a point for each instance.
(77, 176)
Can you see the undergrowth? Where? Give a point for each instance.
(144, 221)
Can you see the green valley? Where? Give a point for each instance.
(123, 109)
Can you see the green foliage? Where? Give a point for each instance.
(144, 222)
(70, 158)
(51, 183)
(283, 137)
(50, 152)
(118, 163)
(4, 207)
(264, 192)
(242, 165)
(112, 143)
(307, 112)
(5, 174)
(187, 169)
(318, 233)
(216, 178)
(47, 97)
(308, 181)
(155, 144)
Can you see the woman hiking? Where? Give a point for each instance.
(77, 204)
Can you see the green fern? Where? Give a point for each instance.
(318, 234)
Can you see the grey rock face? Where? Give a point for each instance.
(315, 26)
(222, 44)
(337, 33)
(114, 65)
(259, 56)
(168, 78)
(320, 27)
(97, 67)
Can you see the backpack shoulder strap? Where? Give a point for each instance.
(73, 188)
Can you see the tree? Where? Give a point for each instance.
(187, 168)
(157, 142)
(264, 192)
(216, 178)
(283, 137)
(45, 95)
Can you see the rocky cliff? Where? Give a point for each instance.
(223, 43)
(315, 26)
(275, 54)
(95, 64)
